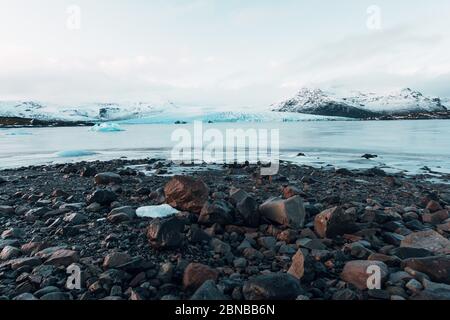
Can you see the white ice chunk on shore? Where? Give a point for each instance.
(107, 127)
(161, 211)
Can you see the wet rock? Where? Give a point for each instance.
(122, 214)
(219, 211)
(407, 252)
(334, 222)
(433, 291)
(88, 172)
(208, 292)
(46, 290)
(290, 212)
(6, 210)
(25, 297)
(428, 240)
(22, 262)
(275, 286)
(344, 295)
(433, 206)
(357, 272)
(9, 253)
(13, 233)
(107, 178)
(56, 296)
(102, 196)
(436, 217)
(291, 191)
(220, 247)
(116, 259)
(237, 195)
(197, 235)
(63, 257)
(166, 233)
(75, 218)
(437, 268)
(369, 156)
(297, 268)
(414, 286)
(196, 274)
(186, 194)
(247, 208)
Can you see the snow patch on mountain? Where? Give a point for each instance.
(359, 104)
(85, 112)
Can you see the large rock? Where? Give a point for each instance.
(9, 252)
(219, 212)
(107, 178)
(334, 222)
(22, 262)
(122, 214)
(166, 233)
(6, 210)
(196, 274)
(63, 257)
(437, 268)
(208, 292)
(186, 194)
(429, 240)
(102, 196)
(297, 268)
(290, 212)
(357, 272)
(275, 286)
(75, 218)
(116, 259)
(433, 291)
(246, 207)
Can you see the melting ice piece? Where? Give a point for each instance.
(161, 211)
(75, 153)
(107, 127)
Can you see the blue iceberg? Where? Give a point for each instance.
(75, 153)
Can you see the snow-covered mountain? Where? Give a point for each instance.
(360, 104)
(85, 112)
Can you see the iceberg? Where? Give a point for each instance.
(161, 211)
(107, 127)
(75, 153)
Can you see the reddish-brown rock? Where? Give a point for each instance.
(289, 212)
(357, 272)
(63, 257)
(196, 274)
(429, 240)
(297, 268)
(186, 194)
(334, 222)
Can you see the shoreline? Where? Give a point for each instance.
(18, 122)
(229, 241)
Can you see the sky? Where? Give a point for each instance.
(219, 52)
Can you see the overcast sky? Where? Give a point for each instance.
(219, 52)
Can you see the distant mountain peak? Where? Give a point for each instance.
(358, 104)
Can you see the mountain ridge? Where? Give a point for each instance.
(362, 105)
